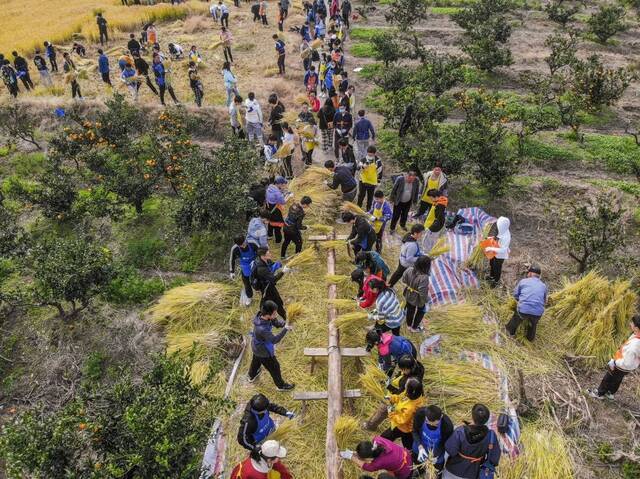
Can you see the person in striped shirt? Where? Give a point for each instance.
(388, 314)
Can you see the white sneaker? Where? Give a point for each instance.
(594, 394)
(252, 380)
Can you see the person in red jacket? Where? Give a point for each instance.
(366, 297)
(263, 463)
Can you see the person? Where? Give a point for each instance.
(293, 225)
(133, 45)
(71, 75)
(253, 117)
(472, 447)
(214, 10)
(194, 55)
(388, 315)
(284, 8)
(231, 86)
(436, 219)
(224, 14)
(79, 49)
(244, 252)
(103, 67)
(162, 79)
(9, 78)
(142, 67)
(22, 71)
(265, 274)
(257, 229)
(195, 83)
(276, 198)
(41, 66)
(255, 9)
(431, 430)
(314, 102)
(372, 263)
(370, 168)
(409, 252)
(343, 178)
(624, 361)
(346, 156)
(263, 463)
(144, 39)
(227, 39)
(501, 251)
(404, 194)
(263, 12)
(305, 116)
(263, 343)
(102, 28)
(152, 35)
(289, 143)
(129, 78)
(432, 180)
(402, 409)
(235, 117)
(416, 292)
(280, 53)
(124, 60)
(363, 133)
(380, 213)
(381, 454)
(362, 236)
(531, 295)
(311, 79)
(275, 117)
(256, 423)
(342, 123)
(50, 52)
(409, 367)
(325, 122)
(176, 51)
(346, 12)
(271, 160)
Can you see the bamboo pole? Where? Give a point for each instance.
(334, 383)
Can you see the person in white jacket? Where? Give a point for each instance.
(624, 361)
(501, 251)
(253, 117)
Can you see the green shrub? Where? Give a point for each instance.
(199, 248)
(145, 252)
(370, 71)
(624, 186)
(363, 50)
(607, 21)
(27, 164)
(130, 287)
(94, 366)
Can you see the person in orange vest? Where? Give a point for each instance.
(624, 361)
(263, 463)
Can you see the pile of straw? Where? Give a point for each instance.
(462, 327)
(356, 321)
(320, 228)
(295, 311)
(348, 431)
(183, 343)
(341, 280)
(353, 208)
(308, 256)
(284, 430)
(477, 258)
(372, 381)
(595, 313)
(325, 200)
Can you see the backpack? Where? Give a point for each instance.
(254, 279)
(380, 262)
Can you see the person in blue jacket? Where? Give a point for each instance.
(390, 348)
(103, 66)
(256, 423)
(431, 429)
(362, 236)
(245, 252)
(263, 345)
(472, 448)
(380, 214)
(162, 80)
(531, 294)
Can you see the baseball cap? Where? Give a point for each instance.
(273, 449)
(534, 268)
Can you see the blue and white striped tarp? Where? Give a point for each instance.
(448, 273)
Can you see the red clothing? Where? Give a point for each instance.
(315, 104)
(245, 470)
(368, 296)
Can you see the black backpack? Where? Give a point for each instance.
(254, 279)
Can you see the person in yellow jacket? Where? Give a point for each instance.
(435, 219)
(432, 180)
(401, 411)
(370, 168)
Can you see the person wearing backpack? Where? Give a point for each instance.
(10, 78)
(263, 344)
(22, 71)
(245, 253)
(50, 53)
(372, 263)
(474, 452)
(390, 348)
(265, 274)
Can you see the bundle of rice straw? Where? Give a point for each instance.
(289, 117)
(199, 371)
(285, 429)
(321, 228)
(338, 279)
(317, 43)
(307, 131)
(312, 177)
(194, 305)
(285, 150)
(357, 320)
(301, 99)
(332, 244)
(545, 454)
(372, 381)
(353, 208)
(343, 303)
(457, 385)
(595, 313)
(462, 327)
(325, 200)
(294, 311)
(183, 343)
(476, 258)
(308, 256)
(441, 247)
(346, 430)
(215, 45)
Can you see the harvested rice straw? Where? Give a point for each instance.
(294, 311)
(477, 258)
(353, 208)
(356, 320)
(340, 280)
(311, 178)
(317, 43)
(289, 117)
(183, 343)
(199, 371)
(545, 454)
(215, 45)
(321, 228)
(284, 430)
(308, 256)
(301, 99)
(344, 303)
(441, 247)
(462, 327)
(332, 244)
(285, 150)
(372, 383)
(346, 430)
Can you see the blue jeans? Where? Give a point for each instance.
(231, 93)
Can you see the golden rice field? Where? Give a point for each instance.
(25, 24)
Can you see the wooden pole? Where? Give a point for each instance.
(334, 383)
